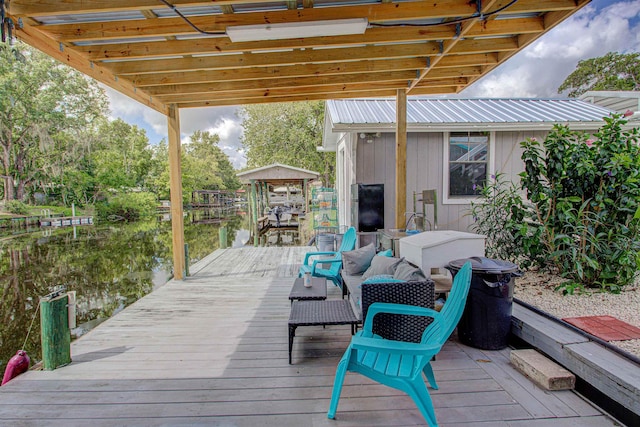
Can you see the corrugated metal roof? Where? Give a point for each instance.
(481, 111)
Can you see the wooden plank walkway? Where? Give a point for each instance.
(212, 350)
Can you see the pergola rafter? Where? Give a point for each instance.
(145, 50)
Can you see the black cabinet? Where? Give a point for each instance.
(367, 207)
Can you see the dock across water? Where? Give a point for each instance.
(213, 350)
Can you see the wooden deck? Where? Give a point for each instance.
(212, 350)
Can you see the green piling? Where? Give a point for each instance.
(223, 237)
(55, 333)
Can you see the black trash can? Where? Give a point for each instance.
(486, 320)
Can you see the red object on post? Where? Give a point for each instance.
(17, 365)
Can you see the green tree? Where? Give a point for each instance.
(287, 133)
(122, 158)
(157, 180)
(204, 167)
(613, 71)
(46, 112)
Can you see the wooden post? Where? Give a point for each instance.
(305, 189)
(55, 333)
(175, 176)
(223, 237)
(254, 203)
(401, 157)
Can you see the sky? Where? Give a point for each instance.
(535, 72)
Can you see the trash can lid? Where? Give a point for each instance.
(485, 265)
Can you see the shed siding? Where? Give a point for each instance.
(375, 163)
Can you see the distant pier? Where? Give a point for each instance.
(64, 221)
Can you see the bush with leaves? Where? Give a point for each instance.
(16, 207)
(128, 207)
(585, 199)
(499, 215)
(581, 218)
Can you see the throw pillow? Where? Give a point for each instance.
(388, 252)
(357, 261)
(407, 272)
(381, 265)
(382, 278)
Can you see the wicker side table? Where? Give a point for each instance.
(313, 313)
(317, 291)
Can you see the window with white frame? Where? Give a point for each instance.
(466, 165)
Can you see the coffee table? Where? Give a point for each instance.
(311, 313)
(317, 291)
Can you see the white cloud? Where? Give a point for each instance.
(539, 69)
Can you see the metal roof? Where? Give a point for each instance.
(620, 101)
(277, 174)
(449, 114)
(425, 111)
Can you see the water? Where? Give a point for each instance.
(109, 266)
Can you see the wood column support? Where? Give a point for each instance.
(175, 174)
(254, 205)
(401, 157)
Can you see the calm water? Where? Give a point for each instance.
(109, 266)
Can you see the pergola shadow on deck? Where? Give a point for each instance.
(212, 350)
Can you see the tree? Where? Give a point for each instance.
(46, 112)
(613, 71)
(287, 133)
(122, 157)
(204, 167)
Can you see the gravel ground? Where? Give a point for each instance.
(537, 289)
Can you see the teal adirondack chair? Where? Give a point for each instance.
(318, 268)
(400, 364)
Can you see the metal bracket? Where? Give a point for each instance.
(441, 44)
(479, 4)
(61, 46)
(56, 293)
(428, 62)
(458, 30)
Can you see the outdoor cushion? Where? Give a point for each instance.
(357, 261)
(407, 272)
(388, 252)
(382, 265)
(382, 278)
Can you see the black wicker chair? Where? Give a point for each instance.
(399, 327)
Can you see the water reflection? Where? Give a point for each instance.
(109, 267)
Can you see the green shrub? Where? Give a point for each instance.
(17, 207)
(582, 215)
(127, 206)
(500, 215)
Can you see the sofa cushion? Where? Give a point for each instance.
(407, 272)
(382, 265)
(382, 278)
(388, 252)
(357, 261)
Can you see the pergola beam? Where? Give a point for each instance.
(377, 13)
(175, 183)
(37, 39)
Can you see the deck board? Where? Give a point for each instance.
(212, 350)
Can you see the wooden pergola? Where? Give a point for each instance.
(173, 54)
